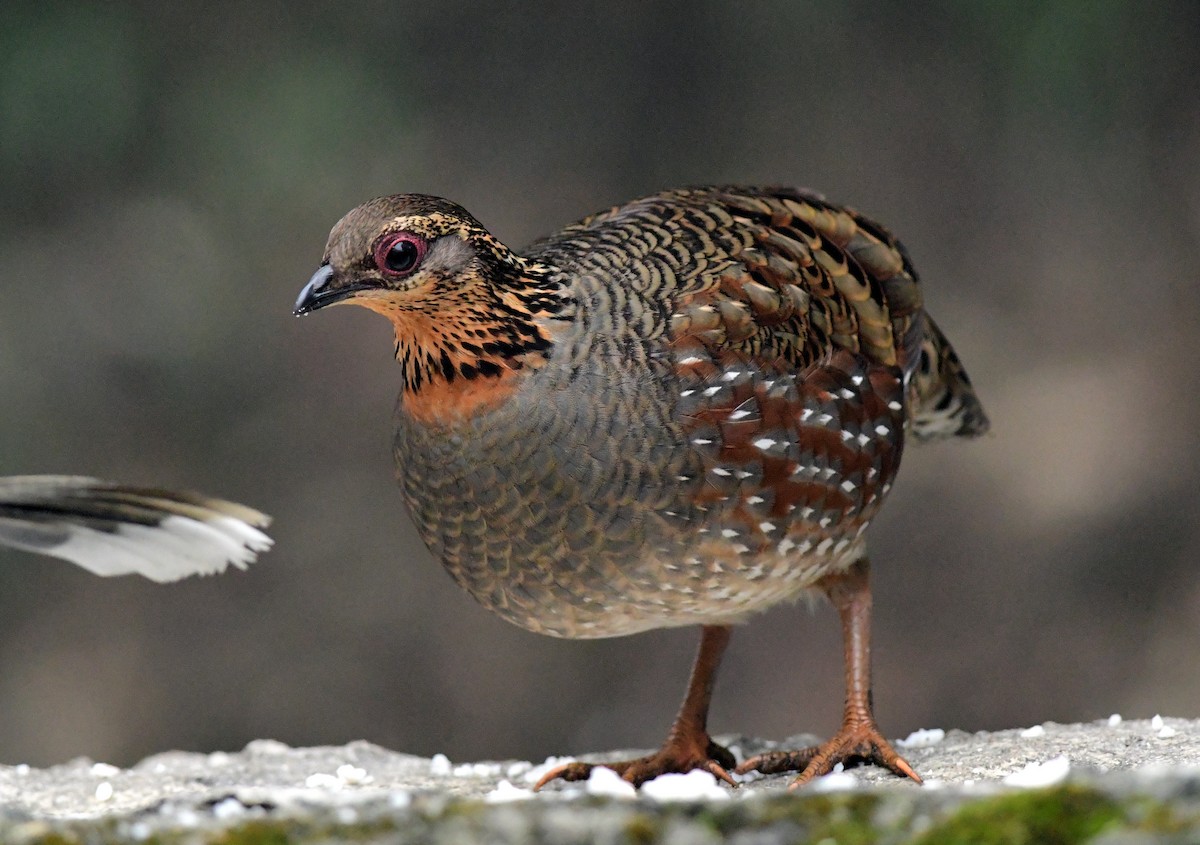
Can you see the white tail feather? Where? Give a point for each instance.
(112, 530)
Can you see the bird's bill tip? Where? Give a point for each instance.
(319, 292)
(310, 298)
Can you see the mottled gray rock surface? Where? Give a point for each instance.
(1108, 782)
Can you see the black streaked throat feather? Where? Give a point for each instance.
(463, 342)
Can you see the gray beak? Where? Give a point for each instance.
(318, 293)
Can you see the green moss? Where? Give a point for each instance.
(1059, 816)
(58, 838)
(285, 831)
(255, 833)
(642, 829)
(1154, 816)
(846, 818)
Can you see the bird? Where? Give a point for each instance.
(114, 529)
(679, 411)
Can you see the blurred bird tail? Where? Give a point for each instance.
(942, 401)
(110, 529)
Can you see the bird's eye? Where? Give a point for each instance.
(399, 254)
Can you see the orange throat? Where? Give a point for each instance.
(457, 365)
(466, 346)
(443, 402)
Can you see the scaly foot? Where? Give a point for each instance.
(857, 741)
(679, 755)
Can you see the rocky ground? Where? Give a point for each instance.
(1106, 782)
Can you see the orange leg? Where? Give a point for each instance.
(688, 745)
(859, 738)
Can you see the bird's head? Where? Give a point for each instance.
(465, 308)
(404, 253)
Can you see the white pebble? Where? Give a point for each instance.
(1040, 774)
(104, 770)
(353, 775)
(696, 785)
(266, 746)
(922, 738)
(1166, 732)
(506, 792)
(1114, 720)
(440, 766)
(346, 815)
(1157, 722)
(22, 769)
(187, 818)
(604, 781)
(104, 791)
(323, 780)
(478, 770)
(1034, 732)
(228, 809)
(836, 781)
(218, 758)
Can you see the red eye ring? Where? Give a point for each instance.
(399, 253)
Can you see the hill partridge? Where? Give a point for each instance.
(112, 529)
(679, 411)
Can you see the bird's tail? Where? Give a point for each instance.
(110, 529)
(942, 401)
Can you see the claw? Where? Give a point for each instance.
(719, 772)
(855, 742)
(567, 771)
(669, 759)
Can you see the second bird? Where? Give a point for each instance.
(680, 411)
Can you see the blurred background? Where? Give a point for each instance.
(169, 173)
